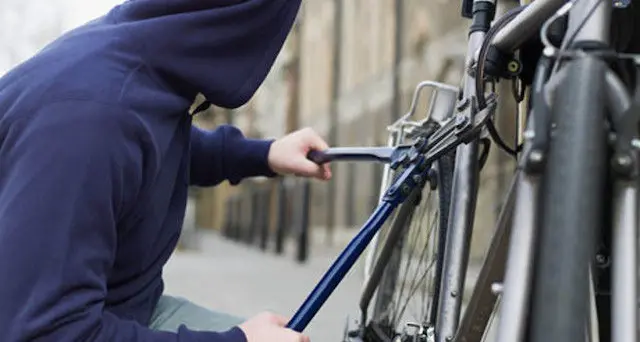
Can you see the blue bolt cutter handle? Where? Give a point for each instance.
(417, 157)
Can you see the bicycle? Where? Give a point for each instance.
(562, 262)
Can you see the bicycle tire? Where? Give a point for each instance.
(386, 268)
(572, 209)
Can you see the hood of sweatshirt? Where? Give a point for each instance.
(223, 49)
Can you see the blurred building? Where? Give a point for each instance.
(349, 69)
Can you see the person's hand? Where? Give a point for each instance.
(288, 155)
(268, 327)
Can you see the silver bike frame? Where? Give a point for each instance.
(521, 233)
(461, 215)
(511, 252)
(517, 284)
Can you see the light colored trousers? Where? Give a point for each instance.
(171, 312)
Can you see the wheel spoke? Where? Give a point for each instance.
(407, 291)
(414, 239)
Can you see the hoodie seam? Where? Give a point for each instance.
(127, 80)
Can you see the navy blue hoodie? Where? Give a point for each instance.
(97, 151)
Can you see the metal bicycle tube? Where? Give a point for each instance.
(481, 304)
(526, 24)
(519, 268)
(625, 263)
(517, 280)
(464, 193)
(624, 274)
(592, 329)
(594, 28)
(461, 215)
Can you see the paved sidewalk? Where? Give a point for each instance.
(242, 280)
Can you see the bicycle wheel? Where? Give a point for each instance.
(412, 269)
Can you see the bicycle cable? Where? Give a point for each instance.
(558, 53)
(564, 10)
(480, 79)
(500, 23)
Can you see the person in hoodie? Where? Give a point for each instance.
(97, 151)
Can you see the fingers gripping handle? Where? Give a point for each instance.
(379, 154)
(319, 157)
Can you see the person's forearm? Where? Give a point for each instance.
(225, 154)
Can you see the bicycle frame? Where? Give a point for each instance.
(460, 216)
(517, 285)
(511, 253)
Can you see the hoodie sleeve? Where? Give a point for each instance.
(66, 177)
(225, 154)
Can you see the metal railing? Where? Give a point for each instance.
(267, 214)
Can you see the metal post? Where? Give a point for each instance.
(228, 216)
(350, 198)
(233, 224)
(247, 214)
(253, 211)
(303, 237)
(237, 217)
(264, 218)
(281, 222)
(232, 220)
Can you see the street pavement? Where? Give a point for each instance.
(243, 280)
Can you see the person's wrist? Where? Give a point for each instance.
(270, 164)
(238, 334)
